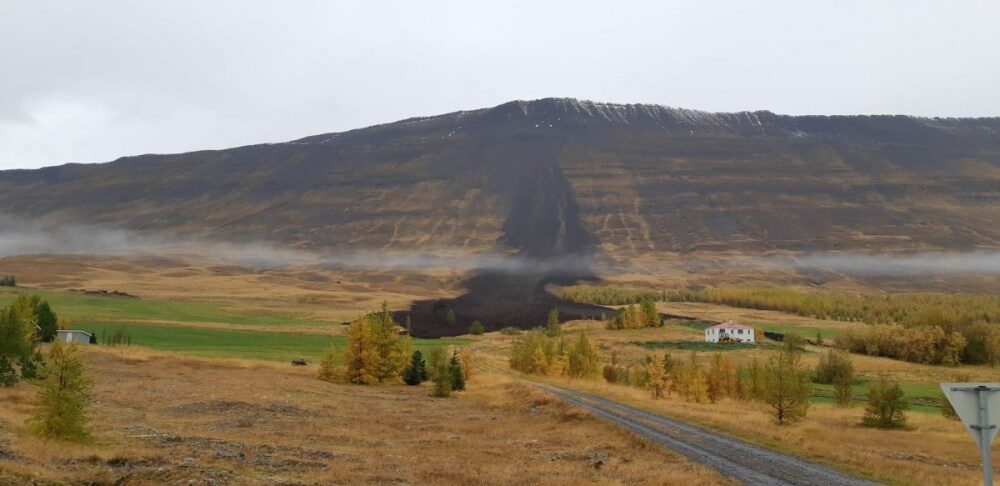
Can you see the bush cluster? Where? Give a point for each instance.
(632, 317)
(924, 344)
(541, 354)
(8, 281)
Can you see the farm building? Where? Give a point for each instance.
(729, 331)
(69, 336)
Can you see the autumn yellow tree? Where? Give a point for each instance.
(719, 378)
(786, 385)
(64, 396)
(375, 352)
(583, 359)
(466, 358)
(657, 381)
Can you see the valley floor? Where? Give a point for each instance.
(162, 418)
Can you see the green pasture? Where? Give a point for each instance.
(270, 346)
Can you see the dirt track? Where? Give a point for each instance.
(745, 462)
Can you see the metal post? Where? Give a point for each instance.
(984, 433)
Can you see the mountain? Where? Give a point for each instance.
(561, 176)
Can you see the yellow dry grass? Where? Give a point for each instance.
(932, 450)
(162, 418)
(310, 293)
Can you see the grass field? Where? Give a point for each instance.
(271, 346)
(775, 325)
(83, 308)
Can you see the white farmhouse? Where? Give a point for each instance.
(729, 331)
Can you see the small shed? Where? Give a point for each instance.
(72, 336)
(729, 331)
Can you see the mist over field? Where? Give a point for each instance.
(23, 237)
(20, 237)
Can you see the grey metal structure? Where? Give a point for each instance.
(978, 406)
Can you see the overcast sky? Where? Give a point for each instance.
(89, 81)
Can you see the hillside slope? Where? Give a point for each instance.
(557, 176)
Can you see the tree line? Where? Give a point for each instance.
(781, 382)
(376, 353)
(927, 328)
(8, 281)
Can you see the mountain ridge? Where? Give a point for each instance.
(561, 176)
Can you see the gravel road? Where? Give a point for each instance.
(745, 462)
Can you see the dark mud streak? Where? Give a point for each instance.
(543, 223)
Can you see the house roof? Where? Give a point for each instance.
(73, 331)
(730, 325)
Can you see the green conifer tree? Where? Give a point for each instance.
(47, 321)
(416, 373)
(455, 373)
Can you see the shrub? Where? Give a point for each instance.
(29, 369)
(786, 386)
(8, 281)
(832, 365)
(610, 373)
(650, 317)
(552, 325)
(437, 364)
(476, 329)
(64, 396)
(886, 406)
(118, 338)
(582, 358)
(8, 375)
(466, 358)
(330, 366)
(843, 388)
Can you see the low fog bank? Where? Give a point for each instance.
(982, 262)
(20, 237)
